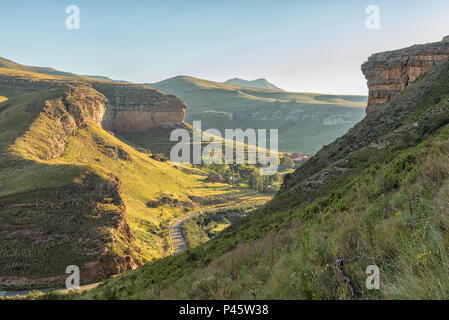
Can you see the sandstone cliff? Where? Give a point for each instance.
(388, 73)
(127, 107)
(85, 104)
(137, 108)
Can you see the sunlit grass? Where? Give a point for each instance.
(42, 168)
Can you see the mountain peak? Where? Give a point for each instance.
(260, 83)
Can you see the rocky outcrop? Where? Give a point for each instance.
(388, 73)
(137, 108)
(215, 177)
(85, 104)
(171, 202)
(117, 107)
(61, 117)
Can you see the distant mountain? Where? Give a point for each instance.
(104, 78)
(306, 121)
(8, 64)
(5, 63)
(258, 83)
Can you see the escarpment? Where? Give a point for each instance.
(85, 104)
(137, 108)
(388, 73)
(125, 107)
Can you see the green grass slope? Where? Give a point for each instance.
(376, 196)
(258, 83)
(5, 63)
(52, 214)
(73, 194)
(305, 121)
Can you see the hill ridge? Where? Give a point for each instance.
(260, 83)
(305, 121)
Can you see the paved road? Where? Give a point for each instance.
(60, 290)
(178, 241)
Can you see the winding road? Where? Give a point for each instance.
(178, 241)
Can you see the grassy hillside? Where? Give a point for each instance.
(258, 83)
(72, 193)
(208, 224)
(8, 64)
(5, 63)
(46, 204)
(306, 121)
(378, 195)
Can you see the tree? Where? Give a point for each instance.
(287, 163)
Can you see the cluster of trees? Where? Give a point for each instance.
(236, 174)
(287, 163)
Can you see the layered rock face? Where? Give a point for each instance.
(68, 113)
(85, 104)
(126, 108)
(388, 73)
(135, 108)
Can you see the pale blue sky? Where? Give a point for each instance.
(311, 46)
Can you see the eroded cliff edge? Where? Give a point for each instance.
(388, 73)
(137, 108)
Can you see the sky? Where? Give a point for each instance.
(301, 46)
